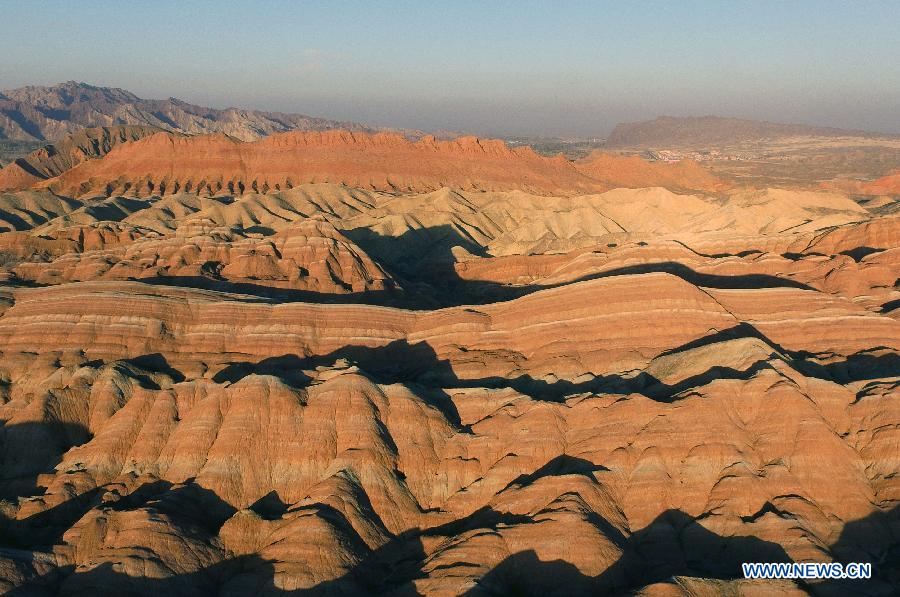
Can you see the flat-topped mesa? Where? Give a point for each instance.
(212, 164)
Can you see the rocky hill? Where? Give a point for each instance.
(212, 164)
(167, 163)
(634, 172)
(50, 113)
(54, 159)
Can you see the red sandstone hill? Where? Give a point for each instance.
(634, 172)
(886, 185)
(53, 160)
(164, 164)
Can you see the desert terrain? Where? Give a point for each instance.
(352, 362)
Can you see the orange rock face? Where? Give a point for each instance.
(215, 164)
(634, 172)
(349, 389)
(886, 185)
(73, 149)
(164, 164)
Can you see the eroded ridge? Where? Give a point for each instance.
(366, 391)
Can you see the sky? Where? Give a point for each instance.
(552, 68)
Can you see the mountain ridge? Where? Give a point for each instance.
(53, 159)
(48, 113)
(381, 161)
(164, 163)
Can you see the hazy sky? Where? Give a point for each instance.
(572, 68)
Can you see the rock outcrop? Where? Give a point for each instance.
(216, 164)
(53, 160)
(462, 391)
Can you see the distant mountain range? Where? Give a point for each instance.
(714, 131)
(36, 113)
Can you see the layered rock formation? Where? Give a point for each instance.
(345, 391)
(214, 164)
(53, 160)
(310, 256)
(220, 164)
